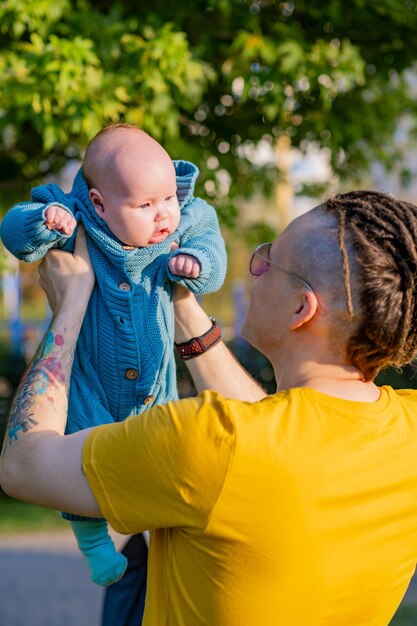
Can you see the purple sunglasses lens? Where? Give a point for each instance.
(258, 266)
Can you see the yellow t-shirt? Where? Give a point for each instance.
(299, 510)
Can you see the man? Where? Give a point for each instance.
(294, 509)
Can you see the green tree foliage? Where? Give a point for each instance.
(210, 80)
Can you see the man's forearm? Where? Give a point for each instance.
(217, 368)
(39, 412)
(38, 464)
(43, 390)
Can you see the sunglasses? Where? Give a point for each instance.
(261, 262)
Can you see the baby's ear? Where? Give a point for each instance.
(97, 201)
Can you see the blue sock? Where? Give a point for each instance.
(106, 565)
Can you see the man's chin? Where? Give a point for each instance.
(249, 336)
(246, 332)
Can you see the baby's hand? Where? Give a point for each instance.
(58, 218)
(184, 265)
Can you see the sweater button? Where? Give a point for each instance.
(131, 374)
(149, 399)
(128, 247)
(125, 287)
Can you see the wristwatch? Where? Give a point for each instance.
(197, 345)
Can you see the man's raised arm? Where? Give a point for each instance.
(38, 464)
(216, 369)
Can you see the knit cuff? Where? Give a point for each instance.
(196, 285)
(38, 233)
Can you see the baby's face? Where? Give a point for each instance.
(141, 207)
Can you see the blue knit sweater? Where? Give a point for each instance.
(124, 360)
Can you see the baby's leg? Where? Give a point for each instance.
(87, 406)
(106, 565)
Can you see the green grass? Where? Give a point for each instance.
(405, 616)
(18, 516)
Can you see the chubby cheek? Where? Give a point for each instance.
(175, 218)
(135, 222)
(132, 232)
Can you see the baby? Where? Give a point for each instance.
(136, 205)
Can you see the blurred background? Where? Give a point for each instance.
(279, 104)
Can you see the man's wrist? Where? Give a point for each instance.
(198, 345)
(69, 301)
(190, 319)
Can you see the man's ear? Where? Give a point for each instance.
(305, 310)
(97, 201)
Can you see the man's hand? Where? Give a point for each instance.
(59, 219)
(184, 265)
(68, 278)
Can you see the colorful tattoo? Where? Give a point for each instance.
(44, 372)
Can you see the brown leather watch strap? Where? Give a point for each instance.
(198, 345)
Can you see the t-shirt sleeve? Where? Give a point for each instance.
(163, 468)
